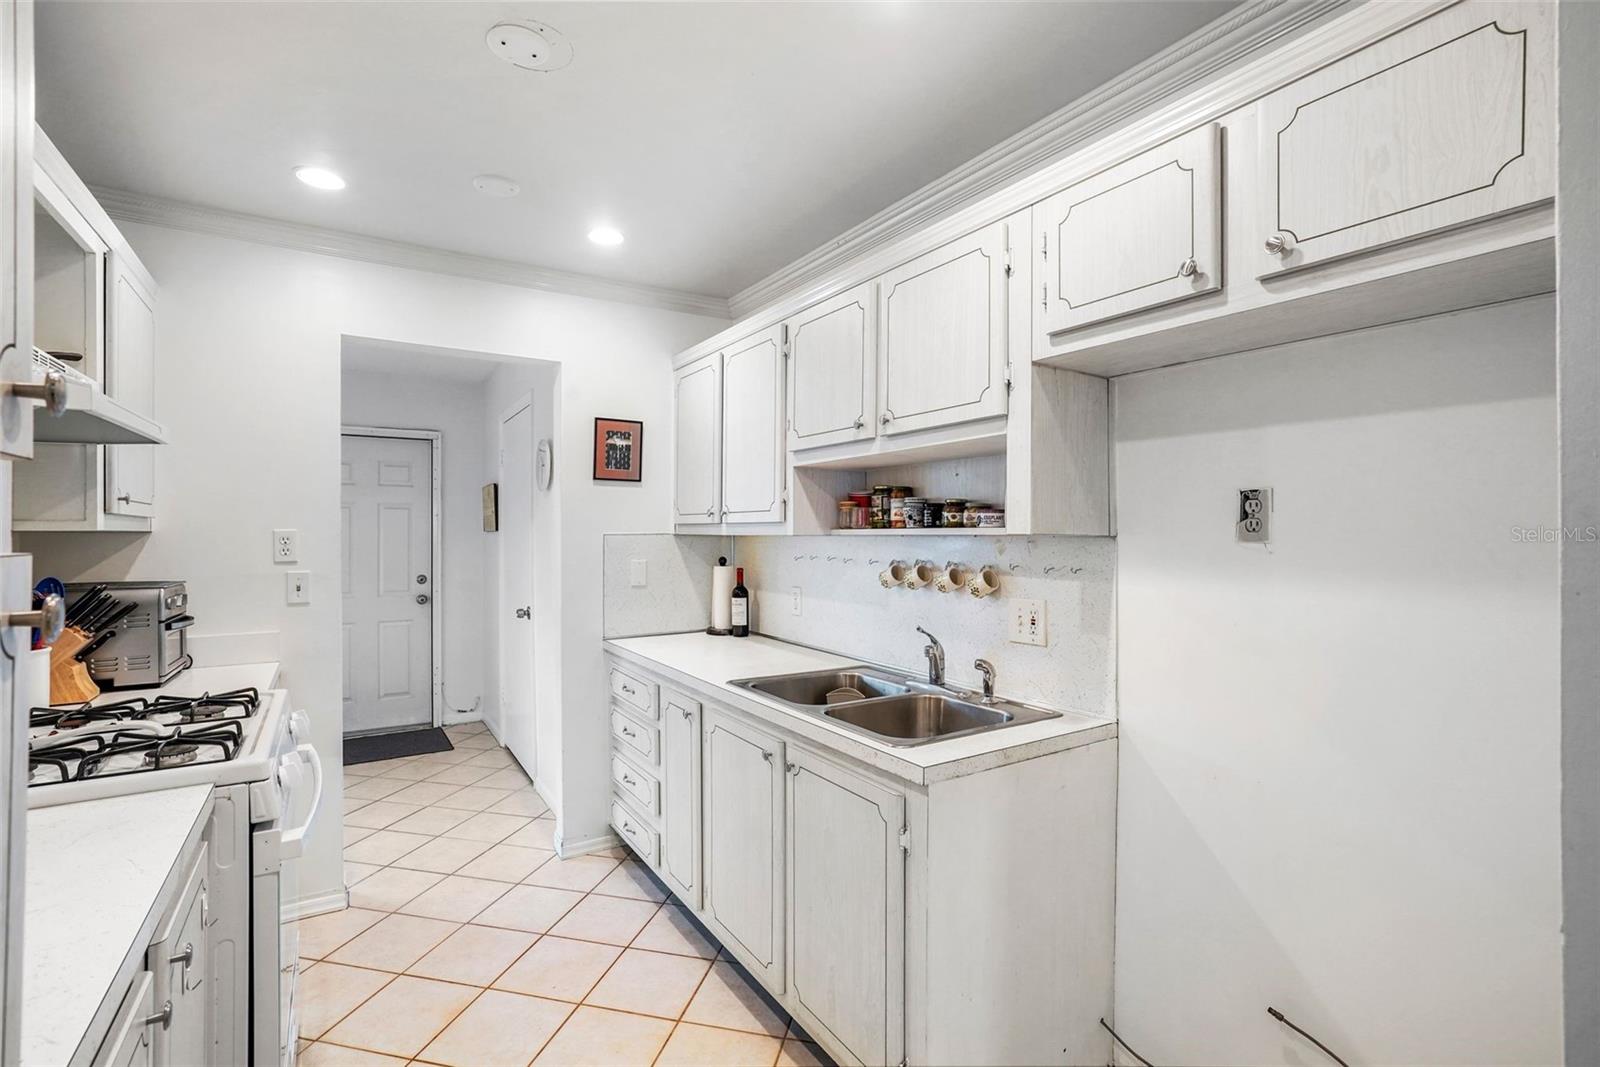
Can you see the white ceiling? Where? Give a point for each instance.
(725, 140)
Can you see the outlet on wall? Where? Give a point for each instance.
(286, 546)
(794, 600)
(297, 587)
(1028, 626)
(1253, 521)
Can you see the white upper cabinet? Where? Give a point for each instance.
(942, 335)
(131, 380)
(1137, 235)
(833, 371)
(1443, 123)
(697, 419)
(752, 429)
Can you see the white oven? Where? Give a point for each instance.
(281, 811)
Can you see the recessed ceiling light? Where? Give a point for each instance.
(606, 235)
(319, 177)
(495, 185)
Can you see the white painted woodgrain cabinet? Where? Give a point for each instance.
(1137, 235)
(848, 891)
(131, 379)
(752, 429)
(743, 782)
(1447, 122)
(942, 335)
(847, 922)
(680, 815)
(833, 370)
(697, 422)
(180, 959)
(130, 1043)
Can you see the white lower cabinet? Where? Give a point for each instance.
(847, 892)
(847, 917)
(743, 768)
(680, 804)
(180, 962)
(130, 1043)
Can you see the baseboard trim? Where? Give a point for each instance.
(568, 849)
(320, 904)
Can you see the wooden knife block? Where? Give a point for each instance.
(69, 680)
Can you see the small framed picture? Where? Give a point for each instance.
(618, 450)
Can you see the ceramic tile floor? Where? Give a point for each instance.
(467, 943)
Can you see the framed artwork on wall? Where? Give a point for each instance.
(618, 450)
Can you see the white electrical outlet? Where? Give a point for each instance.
(794, 600)
(1253, 523)
(286, 546)
(638, 574)
(1028, 626)
(297, 587)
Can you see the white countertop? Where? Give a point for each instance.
(197, 681)
(701, 660)
(95, 873)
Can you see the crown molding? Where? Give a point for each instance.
(177, 215)
(1209, 51)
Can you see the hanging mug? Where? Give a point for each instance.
(984, 582)
(951, 578)
(894, 575)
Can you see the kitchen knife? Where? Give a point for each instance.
(106, 621)
(99, 639)
(85, 601)
(104, 606)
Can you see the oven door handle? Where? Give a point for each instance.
(292, 842)
(182, 622)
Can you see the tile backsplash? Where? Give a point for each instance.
(844, 609)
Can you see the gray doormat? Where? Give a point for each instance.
(370, 748)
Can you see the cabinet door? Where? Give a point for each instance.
(743, 769)
(846, 908)
(752, 430)
(1143, 233)
(697, 426)
(180, 962)
(130, 379)
(680, 801)
(16, 241)
(942, 335)
(1448, 121)
(833, 370)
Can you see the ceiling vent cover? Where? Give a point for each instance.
(530, 45)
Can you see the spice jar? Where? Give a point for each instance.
(991, 518)
(880, 507)
(969, 515)
(916, 512)
(954, 507)
(897, 506)
(847, 514)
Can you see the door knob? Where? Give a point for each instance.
(422, 598)
(524, 613)
(422, 579)
(52, 391)
(48, 620)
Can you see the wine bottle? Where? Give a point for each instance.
(741, 605)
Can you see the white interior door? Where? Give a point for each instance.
(516, 584)
(387, 580)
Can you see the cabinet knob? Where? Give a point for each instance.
(885, 418)
(1188, 268)
(767, 756)
(48, 620)
(861, 424)
(711, 513)
(164, 1016)
(791, 768)
(687, 714)
(1279, 244)
(52, 391)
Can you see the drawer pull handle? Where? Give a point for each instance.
(628, 780)
(629, 690)
(628, 733)
(164, 1016)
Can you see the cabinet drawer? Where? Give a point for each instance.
(635, 832)
(128, 1043)
(1449, 121)
(635, 737)
(641, 788)
(633, 691)
(1143, 233)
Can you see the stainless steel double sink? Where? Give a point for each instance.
(889, 706)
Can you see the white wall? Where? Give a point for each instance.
(677, 592)
(455, 410)
(248, 347)
(1339, 776)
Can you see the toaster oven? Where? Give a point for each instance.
(151, 643)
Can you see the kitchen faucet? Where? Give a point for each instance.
(935, 653)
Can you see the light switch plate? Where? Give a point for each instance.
(638, 573)
(1028, 623)
(795, 599)
(297, 587)
(286, 546)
